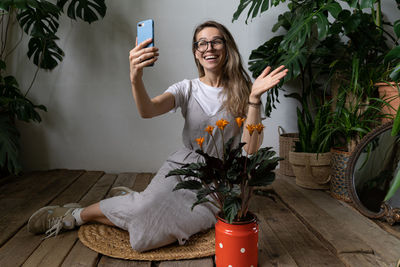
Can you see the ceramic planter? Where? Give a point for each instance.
(338, 185)
(236, 243)
(312, 170)
(390, 94)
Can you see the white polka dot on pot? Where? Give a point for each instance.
(220, 245)
(242, 250)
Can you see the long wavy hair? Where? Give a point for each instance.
(235, 81)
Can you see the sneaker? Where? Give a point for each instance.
(120, 191)
(52, 219)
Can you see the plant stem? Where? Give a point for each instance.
(37, 70)
(15, 46)
(247, 202)
(244, 181)
(213, 196)
(223, 146)
(3, 48)
(215, 144)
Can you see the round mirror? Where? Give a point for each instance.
(371, 169)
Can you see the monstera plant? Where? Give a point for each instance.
(326, 45)
(39, 21)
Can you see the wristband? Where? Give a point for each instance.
(256, 105)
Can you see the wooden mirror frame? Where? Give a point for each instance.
(387, 212)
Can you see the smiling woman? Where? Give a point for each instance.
(158, 216)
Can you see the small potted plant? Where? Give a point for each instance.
(228, 182)
(351, 120)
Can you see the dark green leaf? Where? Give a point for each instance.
(46, 53)
(87, 10)
(322, 25)
(185, 172)
(367, 4)
(199, 201)
(396, 124)
(242, 5)
(393, 54)
(396, 28)
(334, 8)
(231, 208)
(395, 75)
(394, 187)
(189, 184)
(352, 3)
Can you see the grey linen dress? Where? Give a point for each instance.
(159, 216)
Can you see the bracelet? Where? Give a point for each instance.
(256, 105)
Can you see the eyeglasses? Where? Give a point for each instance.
(202, 45)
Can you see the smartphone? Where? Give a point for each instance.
(145, 30)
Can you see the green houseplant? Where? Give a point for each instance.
(306, 50)
(39, 20)
(228, 182)
(334, 49)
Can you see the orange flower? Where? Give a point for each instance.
(251, 128)
(209, 129)
(239, 121)
(222, 123)
(259, 127)
(200, 141)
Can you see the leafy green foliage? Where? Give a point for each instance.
(87, 10)
(395, 186)
(341, 42)
(255, 7)
(39, 19)
(227, 183)
(310, 130)
(352, 119)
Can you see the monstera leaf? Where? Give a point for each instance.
(256, 7)
(46, 53)
(39, 17)
(87, 10)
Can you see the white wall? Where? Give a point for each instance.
(92, 122)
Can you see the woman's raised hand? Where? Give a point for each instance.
(140, 57)
(267, 80)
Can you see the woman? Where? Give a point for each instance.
(158, 216)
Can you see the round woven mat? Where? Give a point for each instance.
(114, 242)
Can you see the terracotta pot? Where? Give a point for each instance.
(236, 244)
(338, 185)
(390, 94)
(312, 170)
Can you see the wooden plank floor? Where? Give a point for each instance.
(298, 227)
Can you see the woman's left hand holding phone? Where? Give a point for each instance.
(140, 57)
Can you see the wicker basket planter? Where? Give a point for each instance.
(286, 144)
(312, 170)
(338, 186)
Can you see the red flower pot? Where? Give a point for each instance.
(236, 243)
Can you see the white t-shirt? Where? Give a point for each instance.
(209, 98)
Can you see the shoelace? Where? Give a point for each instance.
(56, 226)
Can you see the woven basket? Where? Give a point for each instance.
(286, 144)
(114, 242)
(312, 170)
(338, 185)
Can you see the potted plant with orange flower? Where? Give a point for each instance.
(228, 182)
